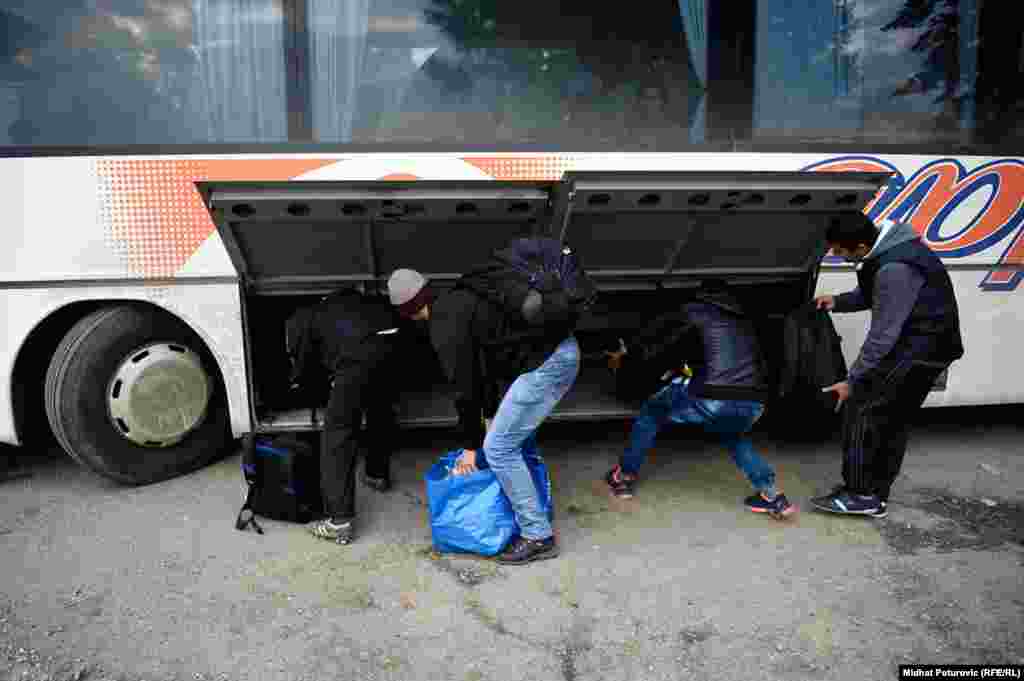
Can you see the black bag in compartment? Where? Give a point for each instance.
(283, 478)
(812, 359)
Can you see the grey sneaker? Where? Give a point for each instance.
(341, 533)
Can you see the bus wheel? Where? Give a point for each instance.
(132, 394)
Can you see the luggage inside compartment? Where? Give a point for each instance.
(426, 398)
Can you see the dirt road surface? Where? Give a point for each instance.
(100, 582)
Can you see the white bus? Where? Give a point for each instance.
(179, 175)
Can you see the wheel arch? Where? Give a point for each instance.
(33, 356)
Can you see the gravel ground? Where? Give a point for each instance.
(100, 582)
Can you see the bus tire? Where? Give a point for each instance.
(134, 395)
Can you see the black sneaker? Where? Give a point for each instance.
(621, 484)
(844, 503)
(779, 507)
(522, 551)
(883, 510)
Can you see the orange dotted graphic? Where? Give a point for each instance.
(152, 213)
(536, 168)
(153, 216)
(155, 220)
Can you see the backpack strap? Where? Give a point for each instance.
(250, 470)
(243, 521)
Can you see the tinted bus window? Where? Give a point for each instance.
(665, 74)
(884, 71)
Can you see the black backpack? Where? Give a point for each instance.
(283, 477)
(535, 265)
(812, 359)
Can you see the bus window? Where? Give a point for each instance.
(875, 71)
(665, 75)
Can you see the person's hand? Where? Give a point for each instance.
(466, 463)
(842, 391)
(909, 86)
(615, 356)
(825, 303)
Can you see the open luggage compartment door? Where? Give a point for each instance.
(664, 227)
(291, 236)
(297, 240)
(641, 234)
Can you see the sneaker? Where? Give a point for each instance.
(779, 507)
(522, 551)
(341, 533)
(883, 510)
(850, 504)
(621, 484)
(378, 484)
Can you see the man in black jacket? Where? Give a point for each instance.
(356, 339)
(914, 337)
(481, 350)
(724, 392)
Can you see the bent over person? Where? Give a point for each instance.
(479, 349)
(725, 394)
(357, 338)
(914, 337)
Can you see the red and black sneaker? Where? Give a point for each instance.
(779, 507)
(621, 484)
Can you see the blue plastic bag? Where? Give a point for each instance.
(470, 513)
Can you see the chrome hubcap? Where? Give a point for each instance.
(158, 395)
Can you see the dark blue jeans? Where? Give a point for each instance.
(730, 420)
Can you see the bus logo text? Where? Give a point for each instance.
(935, 191)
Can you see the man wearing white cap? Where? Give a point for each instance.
(478, 348)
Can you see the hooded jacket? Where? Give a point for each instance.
(714, 336)
(482, 350)
(914, 313)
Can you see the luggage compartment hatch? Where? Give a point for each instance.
(688, 224)
(284, 236)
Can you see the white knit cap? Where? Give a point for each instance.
(407, 290)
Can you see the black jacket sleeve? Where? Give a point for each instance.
(657, 348)
(452, 334)
(851, 301)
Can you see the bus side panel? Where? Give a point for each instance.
(76, 219)
(213, 311)
(991, 327)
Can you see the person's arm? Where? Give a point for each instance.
(452, 336)
(640, 363)
(652, 336)
(896, 290)
(851, 301)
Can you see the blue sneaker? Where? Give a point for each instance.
(843, 502)
(778, 508)
(621, 484)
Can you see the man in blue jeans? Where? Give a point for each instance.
(724, 393)
(478, 349)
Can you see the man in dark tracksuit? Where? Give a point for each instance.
(914, 336)
(358, 340)
(725, 394)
